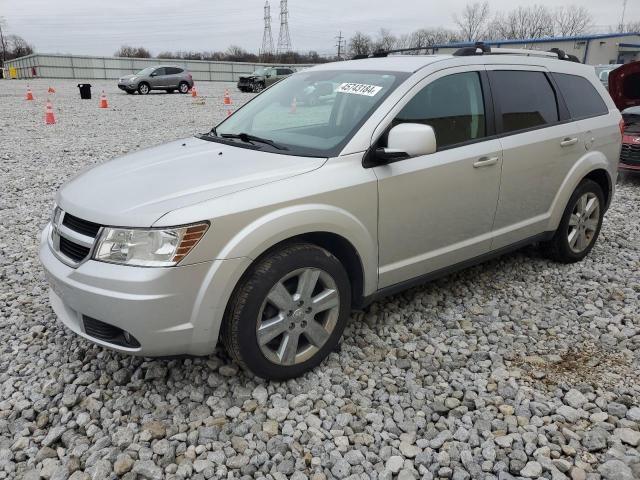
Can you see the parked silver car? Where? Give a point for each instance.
(267, 231)
(164, 77)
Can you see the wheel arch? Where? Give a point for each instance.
(595, 166)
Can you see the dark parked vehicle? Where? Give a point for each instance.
(162, 77)
(624, 87)
(263, 78)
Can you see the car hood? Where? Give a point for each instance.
(624, 85)
(137, 189)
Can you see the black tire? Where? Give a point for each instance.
(257, 87)
(144, 88)
(249, 306)
(183, 87)
(559, 248)
(171, 90)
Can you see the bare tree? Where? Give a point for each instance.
(17, 47)
(3, 43)
(630, 27)
(473, 20)
(360, 44)
(572, 20)
(535, 21)
(132, 52)
(385, 41)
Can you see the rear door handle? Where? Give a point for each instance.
(567, 142)
(485, 162)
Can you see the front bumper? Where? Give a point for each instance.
(126, 86)
(169, 311)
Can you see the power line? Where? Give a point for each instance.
(284, 39)
(267, 37)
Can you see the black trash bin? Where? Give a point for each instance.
(85, 91)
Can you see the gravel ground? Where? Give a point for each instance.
(516, 368)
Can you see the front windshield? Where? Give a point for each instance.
(146, 71)
(259, 72)
(313, 113)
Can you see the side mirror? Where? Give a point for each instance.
(408, 140)
(154, 74)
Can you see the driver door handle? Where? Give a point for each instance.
(485, 162)
(567, 142)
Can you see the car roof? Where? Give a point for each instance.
(392, 63)
(413, 63)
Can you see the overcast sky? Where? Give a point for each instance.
(99, 27)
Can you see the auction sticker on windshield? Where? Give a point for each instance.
(359, 89)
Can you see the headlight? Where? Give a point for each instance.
(133, 79)
(148, 248)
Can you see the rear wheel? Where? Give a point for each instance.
(288, 313)
(580, 224)
(144, 88)
(183, 87)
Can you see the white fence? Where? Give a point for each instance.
(86, 68)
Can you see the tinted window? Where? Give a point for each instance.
(283, 71)
(173, 70)
(524, 99)
(452, 106)
(582, 99)
(159, 71)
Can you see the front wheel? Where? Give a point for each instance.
(144, 88)
(257, 87)
(580, 224)
(288, 313)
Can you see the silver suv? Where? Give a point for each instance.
(164, 77)
(266, 232)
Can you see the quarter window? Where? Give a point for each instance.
(524, 100)
(582, 99)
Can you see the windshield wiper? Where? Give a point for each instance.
(245, 137)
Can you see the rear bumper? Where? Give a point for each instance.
(168, 311)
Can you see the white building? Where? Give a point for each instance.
(590, 49)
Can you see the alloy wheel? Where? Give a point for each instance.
(584, 222)
(298, 316)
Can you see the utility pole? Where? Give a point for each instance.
(267, 37)
(341, 45)
(284, 39)
(624, 11)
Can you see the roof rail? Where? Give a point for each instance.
(481, 48)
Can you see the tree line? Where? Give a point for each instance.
(12, 46)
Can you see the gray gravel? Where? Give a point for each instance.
(519, 368)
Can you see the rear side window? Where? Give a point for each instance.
(524, 100)
(453, 106)
(582, 99)
(173, 70)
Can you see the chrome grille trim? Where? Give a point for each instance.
(59, 230)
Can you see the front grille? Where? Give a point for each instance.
(84, 227)
(108, 333)
(630, 154)
(73, 238)
(73, 250)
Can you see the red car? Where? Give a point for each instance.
(624, 87)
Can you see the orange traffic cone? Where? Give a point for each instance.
(193, 91)
(294, 106)
(51, 89)
(103, 101)
(227, 97)
(29, 93)
(49, 118)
